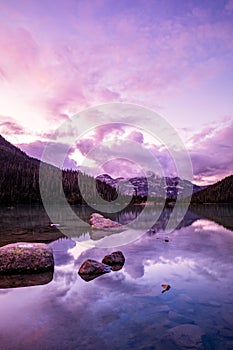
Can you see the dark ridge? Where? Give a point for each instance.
(220, 192)
(19, 180)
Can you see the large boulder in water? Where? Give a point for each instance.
(98, 221)
(25, 258)
(90, 269)
(116, 260)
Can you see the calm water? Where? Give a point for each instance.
(124, 309)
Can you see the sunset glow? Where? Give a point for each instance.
(175, 57)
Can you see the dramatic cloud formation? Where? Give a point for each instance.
(10, 127)
(212, 154)
(111, 149)
(60, 57)
(57, 151)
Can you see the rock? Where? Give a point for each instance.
(186, 336)
(25, 257)
(98, 221)
(90, 269)
(165, 287)
(116, 260)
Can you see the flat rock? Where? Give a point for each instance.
(116, 260)
(186, 336)
(98, 221)
(25, 258)
(90, 269)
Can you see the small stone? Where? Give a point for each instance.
(116, 260)
(165, 287)
(90, 269)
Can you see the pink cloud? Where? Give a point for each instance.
(85, 145)
(103, 131)
(101, 61)
(212, 156)
(122, 168)
(19, 51)
(34, 149)
(58, 150)
(60, 58)
(136, 136)
(206, 152)
(9, 127)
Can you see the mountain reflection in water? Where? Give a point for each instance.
(125, 309)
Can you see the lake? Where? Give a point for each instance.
(123, 309)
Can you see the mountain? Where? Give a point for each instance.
(19, 180)
(220, 192)
(7, 148)
(19, 183)
(159, 187)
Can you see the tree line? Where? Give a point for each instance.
(19, 180)
(220, 192)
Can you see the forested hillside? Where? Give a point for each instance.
(220, 192)
(19, 182)
(19, 179)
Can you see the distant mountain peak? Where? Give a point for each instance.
(159, 187)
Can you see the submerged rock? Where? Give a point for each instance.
(25, 257)
(116, 260)
(90, 269)
(98, 221)
(186, 336)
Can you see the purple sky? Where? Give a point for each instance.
(173, 56)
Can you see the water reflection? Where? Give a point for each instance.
(125, 309)
(31, 223)
(25, 223)
(221, 213)
(25, 280)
